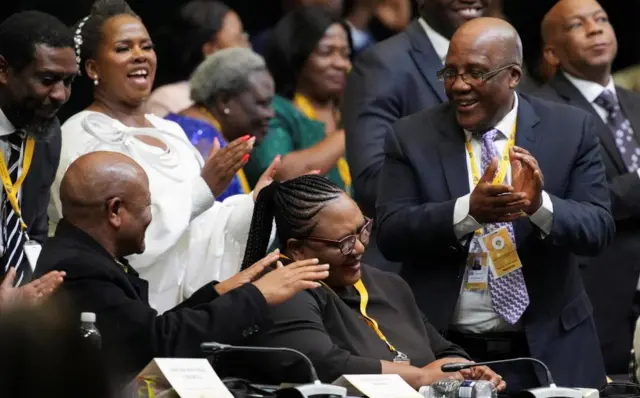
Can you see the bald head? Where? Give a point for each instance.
(94, 178)
(106, 194)
(481, 72)
(492, 35)
(579, 39)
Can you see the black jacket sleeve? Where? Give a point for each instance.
(133, 333)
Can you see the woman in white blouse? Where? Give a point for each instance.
(192, 239)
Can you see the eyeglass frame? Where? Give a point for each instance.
(482, 79)
(368, 226)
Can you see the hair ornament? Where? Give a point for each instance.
(77, 40)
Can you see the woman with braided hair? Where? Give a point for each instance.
(192, 239)
(361, 320)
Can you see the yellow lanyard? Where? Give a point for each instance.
(303, 104)
(503, 163)
(12, 189)
(244, 183)
(373, 324)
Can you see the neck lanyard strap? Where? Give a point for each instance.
(503, 162)
(373, 324)
(11, 189)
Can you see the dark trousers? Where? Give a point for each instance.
(498, 346)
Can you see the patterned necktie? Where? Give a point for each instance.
(620, 126)
(508, 294)
(13, 236)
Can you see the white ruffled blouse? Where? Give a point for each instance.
(192, 239)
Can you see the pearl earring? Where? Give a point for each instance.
(226, 111)
(95, 81)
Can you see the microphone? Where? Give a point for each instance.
(551, 390)
(316, 389)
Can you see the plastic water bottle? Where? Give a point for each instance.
(450, 388)
(89, 330)
(477, 389)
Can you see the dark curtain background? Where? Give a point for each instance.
(525, 15)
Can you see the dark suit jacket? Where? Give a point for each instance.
(36, 189)
(425, 172)
(393, 79)
(132, 332)
(611, 278)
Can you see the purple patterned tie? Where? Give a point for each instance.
(620, 126)
(509, 293)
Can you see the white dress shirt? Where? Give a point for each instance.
(474, 311)
(7, 128)
(439, 42)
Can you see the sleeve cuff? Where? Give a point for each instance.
(463, 223)
(543, 217)
(201, 197)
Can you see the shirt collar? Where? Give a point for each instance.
(6, 127)
(504, 126)
(439, 42)
(590, 90)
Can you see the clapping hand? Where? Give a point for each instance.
(223, 164)
(491, 203)
(526, 178)
(32, 293)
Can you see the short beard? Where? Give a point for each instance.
(42, 129)
(38, 128)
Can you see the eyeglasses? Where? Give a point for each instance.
(348, 243)
(449, 75)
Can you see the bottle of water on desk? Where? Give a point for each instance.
(89, 330)
(450, 388)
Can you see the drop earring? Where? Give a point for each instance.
(226, 111)
(95, 81)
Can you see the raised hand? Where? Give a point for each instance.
(490, 203)
(248, 275)
(527, 177)
(223, 164)
(30, 294)
(283, 283)
(267, 177)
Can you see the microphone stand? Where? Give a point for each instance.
(549, 391)
(314, 390)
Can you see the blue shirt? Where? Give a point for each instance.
(201, 135)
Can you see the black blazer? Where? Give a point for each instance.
(133, 333)
(36, 190)
(393, 79)
(611, 278)
(425, 172)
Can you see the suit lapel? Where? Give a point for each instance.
(452, 154)
(572, 96)
(425, 57)
(527, 139)
(631, 108)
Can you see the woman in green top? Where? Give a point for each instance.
(309, 59)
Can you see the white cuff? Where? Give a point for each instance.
(543, 217)
(463, 223)
(201, 197)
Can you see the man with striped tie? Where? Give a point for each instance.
(37, 67)
(485, 200)
(580, 42)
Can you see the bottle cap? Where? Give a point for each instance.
(88, 317)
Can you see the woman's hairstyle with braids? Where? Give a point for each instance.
(87, 30)
(293, 204)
